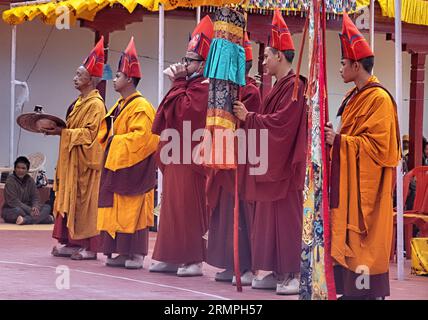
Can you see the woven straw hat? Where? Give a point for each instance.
(35, 121)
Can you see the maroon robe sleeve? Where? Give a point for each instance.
(250, 97)
(335, 173)
(187, 100)
(285, 121)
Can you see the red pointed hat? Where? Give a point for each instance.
(354, 45)
(201, 38)
(94, 63)
(128, 63)
(281, 36)
(248, 48)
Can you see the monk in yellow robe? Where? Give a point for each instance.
(78, 169)
(129, 175)
(364, 156)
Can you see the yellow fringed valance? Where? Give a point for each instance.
(48, 12)
(87, 9)
(174, 4)
(412, 11)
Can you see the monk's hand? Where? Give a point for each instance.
(239, 110)
(52, 131)
(329, 133)
(179, 70)
(35, 212)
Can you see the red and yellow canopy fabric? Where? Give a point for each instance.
(88, 9)
(413, 11)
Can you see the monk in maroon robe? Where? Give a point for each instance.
(277, 225)
(221, 202)
(180, 245)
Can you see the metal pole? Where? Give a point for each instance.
(399, 100)
(12, 98)
(198, 15)
(161, 79)
(161, 52)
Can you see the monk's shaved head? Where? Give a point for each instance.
(82, 78)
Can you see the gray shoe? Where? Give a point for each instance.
(64, 251)
(135, 263)
(290, 286)
(268, 282)
(225, 276)
(84, 254)
(190, 270)
(118, 262)
(246, 279)
(163, 267)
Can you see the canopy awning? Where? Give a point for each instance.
(49, 11)
(413, 11)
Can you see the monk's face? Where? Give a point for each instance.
(271, 61)
(82, 78)
(121, 81)
(405, 145)
(21, 170)
(194, 63)
(348, 70)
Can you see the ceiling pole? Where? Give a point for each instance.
(399, 101)
(12, 97)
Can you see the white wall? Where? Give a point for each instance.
(51, 81)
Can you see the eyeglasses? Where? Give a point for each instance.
(186, 60)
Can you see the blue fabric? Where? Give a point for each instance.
(226, 61)
(107, 72)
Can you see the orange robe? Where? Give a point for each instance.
(79, 168)
(366, 152)
(132, 142)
